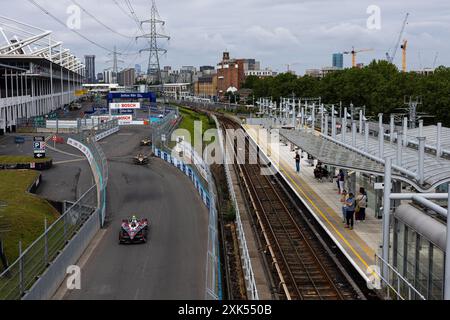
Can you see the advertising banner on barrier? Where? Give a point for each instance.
(124, 119)
(124, 105)
(188, 172)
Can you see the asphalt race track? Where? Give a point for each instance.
(172, 264)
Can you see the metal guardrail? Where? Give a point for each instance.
(396, 286)
(32, 262)
(88, 137)
(245, 256)
(164, 127)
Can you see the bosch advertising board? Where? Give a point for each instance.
(124, 105)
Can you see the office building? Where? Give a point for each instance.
(90, 68)
(338, 60)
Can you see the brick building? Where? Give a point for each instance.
(230, 73)
(206, 86)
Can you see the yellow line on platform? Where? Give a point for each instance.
(326, 219)
(283, 170)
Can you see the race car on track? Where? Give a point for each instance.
(141, 159)
(146, 142)
(134, 230)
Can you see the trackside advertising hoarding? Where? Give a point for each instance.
(124, 119)
(124, 105)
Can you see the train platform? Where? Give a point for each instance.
(322, 198)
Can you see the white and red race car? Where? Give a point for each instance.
(134, 230)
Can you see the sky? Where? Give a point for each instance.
(301, 33)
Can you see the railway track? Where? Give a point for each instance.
(301, 263)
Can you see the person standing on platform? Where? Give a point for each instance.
(344, 206)
(350, 211)
(297, 161)
(341, 181)
(361, 205)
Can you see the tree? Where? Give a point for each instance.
(380, 86)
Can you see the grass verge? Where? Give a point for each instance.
(22, 213)
(188, 123)
(21, 160)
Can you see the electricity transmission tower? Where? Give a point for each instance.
(154, 68)
(115, 64)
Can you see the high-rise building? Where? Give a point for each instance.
(138, 69)
(127, 77)
(108, 76)
(338, 60)
(90, 68)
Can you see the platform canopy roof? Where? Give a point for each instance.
(431, 133)
(436, 170)
(331, 153)
(22, 41)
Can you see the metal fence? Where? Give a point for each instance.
(90, 139)
(245, 255)
(213, 276)
(32, 262)
(160, 131)
(395, 286)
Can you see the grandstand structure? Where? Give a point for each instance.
(37, 74)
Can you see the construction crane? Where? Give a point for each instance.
(291, 65)
(354, 52)
(404, 47)
(397, 44)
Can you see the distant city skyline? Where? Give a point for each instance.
(301, 33)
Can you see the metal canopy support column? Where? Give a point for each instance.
(321, 119)
(344, 125)
(353, 133)
(381, 136)
(333, 123)
(326, 124)
(294, 114)
(447, 253)
(405, 132)
(386, 216)
(421, 163)
(302, 121)
(366, 137)
(361, 121)
(391, 129)
(438, 140)
(399, 149)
